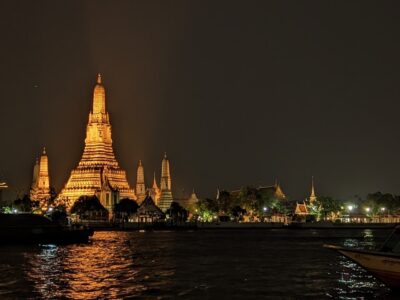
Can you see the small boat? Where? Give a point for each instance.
(383, 263)
(36, 229)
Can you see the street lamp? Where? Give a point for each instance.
(265, 209)
(350, 207)
(367, 209)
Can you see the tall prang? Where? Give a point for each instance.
(40, 189)
(140, 184)
(165, 185)
(312, 198)
(98, 167)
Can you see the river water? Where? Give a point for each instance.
(211, 264)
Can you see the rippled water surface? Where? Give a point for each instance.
(219, 264)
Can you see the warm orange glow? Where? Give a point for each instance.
(40, 189)
(98, 172)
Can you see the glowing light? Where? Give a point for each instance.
(383, 208)
(98, 166)
(265, 208)
(367, 209)
(350, 207)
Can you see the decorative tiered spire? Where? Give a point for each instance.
(98, 157)
(312, 195)
(99, 97)
(40, 189)
(140, 184)
(166, 193)
(165, 174)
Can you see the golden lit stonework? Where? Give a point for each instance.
(40, 189)
(98, 167)
(140, 184)
(312, 198)
(165, 186)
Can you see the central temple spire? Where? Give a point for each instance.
(99, 97)
(98, 163)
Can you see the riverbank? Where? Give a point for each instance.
(132, 226)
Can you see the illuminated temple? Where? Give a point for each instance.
(40, 189)
(98, 172)
(166, 192)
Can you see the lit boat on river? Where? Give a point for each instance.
(383, 263)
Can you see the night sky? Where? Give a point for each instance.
(236, 92)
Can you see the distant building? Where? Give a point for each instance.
(40, 188)
(272, 191)
(312, 199)
(188, 203)
(107, 194)
(148, 211)
(301, 209)
(98, 170)
(140, 184)
(165, 185)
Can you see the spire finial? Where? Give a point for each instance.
(99, 78)
(140, 162)
(165, 155)
(44, 150)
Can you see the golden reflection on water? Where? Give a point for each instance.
(95, 272)
(195, 265)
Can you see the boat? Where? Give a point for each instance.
(37, 229)
(383, 263)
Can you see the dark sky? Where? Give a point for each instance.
(236, 92)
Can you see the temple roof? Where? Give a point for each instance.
(148, 207)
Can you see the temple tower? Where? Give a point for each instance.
(98, 164)
(278, 191)
(154, 192)
(40, 189)
(191, 202)
(312, 198)
(166, 193)
(140, 185)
